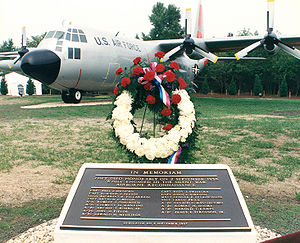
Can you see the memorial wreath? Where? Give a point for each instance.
(157, 87)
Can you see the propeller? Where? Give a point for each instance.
(270, 41)
(188, 46)
(24, 49)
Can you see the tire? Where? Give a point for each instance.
(66, 97)
(76, 96)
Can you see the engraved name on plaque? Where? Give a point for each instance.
(156, 199)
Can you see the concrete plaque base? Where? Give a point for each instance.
(154, 203)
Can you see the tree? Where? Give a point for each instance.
(7, 46)
(247, 32)
(232, 90)
(283, 88)
(166, 22)
(35, 40)
(30, 88)
(205, 87)
(3, 86)
(257, 87)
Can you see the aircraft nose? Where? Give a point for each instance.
(43, 65)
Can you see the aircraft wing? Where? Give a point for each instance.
(237, 43)
(11, 55)
(223, 44)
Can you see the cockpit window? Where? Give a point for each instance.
(50, 34)
(59, 34)
(82, 38)
(76, 35)
(68, 36)
(75, 38)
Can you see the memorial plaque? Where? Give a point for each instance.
(158, 199)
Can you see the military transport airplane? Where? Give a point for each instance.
(73, 60)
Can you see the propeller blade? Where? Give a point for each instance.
(210, 56)
(248, 49)
(177, 51)
(23, 50)
(289, 49)
(270, 16)
(18, 59)
(24, 39)
(188, 22)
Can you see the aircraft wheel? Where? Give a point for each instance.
(76, 96)
(66, 97)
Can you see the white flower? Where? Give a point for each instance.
(140, 151)
(150, 155)
(184, 133)
(154, 147)
(124, 99)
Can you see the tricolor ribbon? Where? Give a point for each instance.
(164, 96)
(174, 158)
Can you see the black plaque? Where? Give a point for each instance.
(150, 199)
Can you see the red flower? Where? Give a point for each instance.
(147, 86)
(166, 112)
(137, 60)
(150, 99)
(116, 91)
(125, 82)
(149, 76)
(170, 76)
(137, 70)
(119, 71)
(160, 68)
(182, 83)
(160, 54)
(176, 98)
(174, 65)
(168, 127)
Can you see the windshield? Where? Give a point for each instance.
(55, 34)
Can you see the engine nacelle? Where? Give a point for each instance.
(194, 55)
(269, 43)
(271, 49)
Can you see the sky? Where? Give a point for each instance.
(130, 17)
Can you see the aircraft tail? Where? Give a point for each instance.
(199, 28)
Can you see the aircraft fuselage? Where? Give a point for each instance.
(89, 59)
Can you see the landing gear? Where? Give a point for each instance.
(73, 96)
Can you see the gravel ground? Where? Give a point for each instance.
(44, 233)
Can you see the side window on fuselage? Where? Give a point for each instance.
(77, 53)
(74, 53)
(70, 53)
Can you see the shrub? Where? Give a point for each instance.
(3, 86)
(283, 88)
(30, 88)
(232, 90)
(205, 87)
(257, 87)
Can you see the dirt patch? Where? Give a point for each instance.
(12, 100)
(25, 183)
(278, 190)
(61, 104)
(287, 113)
(248, 117)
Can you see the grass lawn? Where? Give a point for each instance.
(258, 138)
